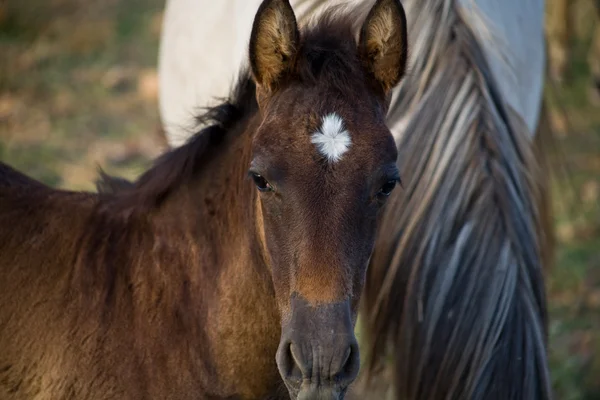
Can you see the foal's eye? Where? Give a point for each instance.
(387, 188)
(261, 183)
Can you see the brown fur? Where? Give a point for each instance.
(178, 285)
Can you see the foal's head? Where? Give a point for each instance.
(324, 163)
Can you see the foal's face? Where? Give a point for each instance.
(324, 163)
(324, 168)
(323, 174)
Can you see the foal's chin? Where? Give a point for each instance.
(311, 392)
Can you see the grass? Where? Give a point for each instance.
(78, 90)
(574, 283)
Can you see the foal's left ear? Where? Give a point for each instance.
(383, 47)
(273, 42)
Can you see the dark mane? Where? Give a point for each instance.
(328, 53)
(182, 163)
(328, 49)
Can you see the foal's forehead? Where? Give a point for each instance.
(308, 125)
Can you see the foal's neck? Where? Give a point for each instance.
(241, 318)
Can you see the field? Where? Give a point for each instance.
(78, 90)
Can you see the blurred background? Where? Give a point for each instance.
(78, 90)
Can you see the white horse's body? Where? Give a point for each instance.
(204, 43)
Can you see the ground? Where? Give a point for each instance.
(78, 90)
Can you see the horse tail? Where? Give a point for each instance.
(455, 300)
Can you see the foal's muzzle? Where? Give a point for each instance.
(318, 353)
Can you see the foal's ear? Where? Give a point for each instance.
(383, 47)
(273, 43)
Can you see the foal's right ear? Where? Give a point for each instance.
(273, 43)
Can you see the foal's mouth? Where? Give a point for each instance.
(316, 393)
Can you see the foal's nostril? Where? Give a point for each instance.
(289, 363)
(349, 367)
(346, 358)
(298, 369)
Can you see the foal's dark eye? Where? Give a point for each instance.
(261, 183)
(387, 188)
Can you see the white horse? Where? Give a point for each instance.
(455, 290)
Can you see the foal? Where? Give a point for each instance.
(236, 263)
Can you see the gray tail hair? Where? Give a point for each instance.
(455, 292)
